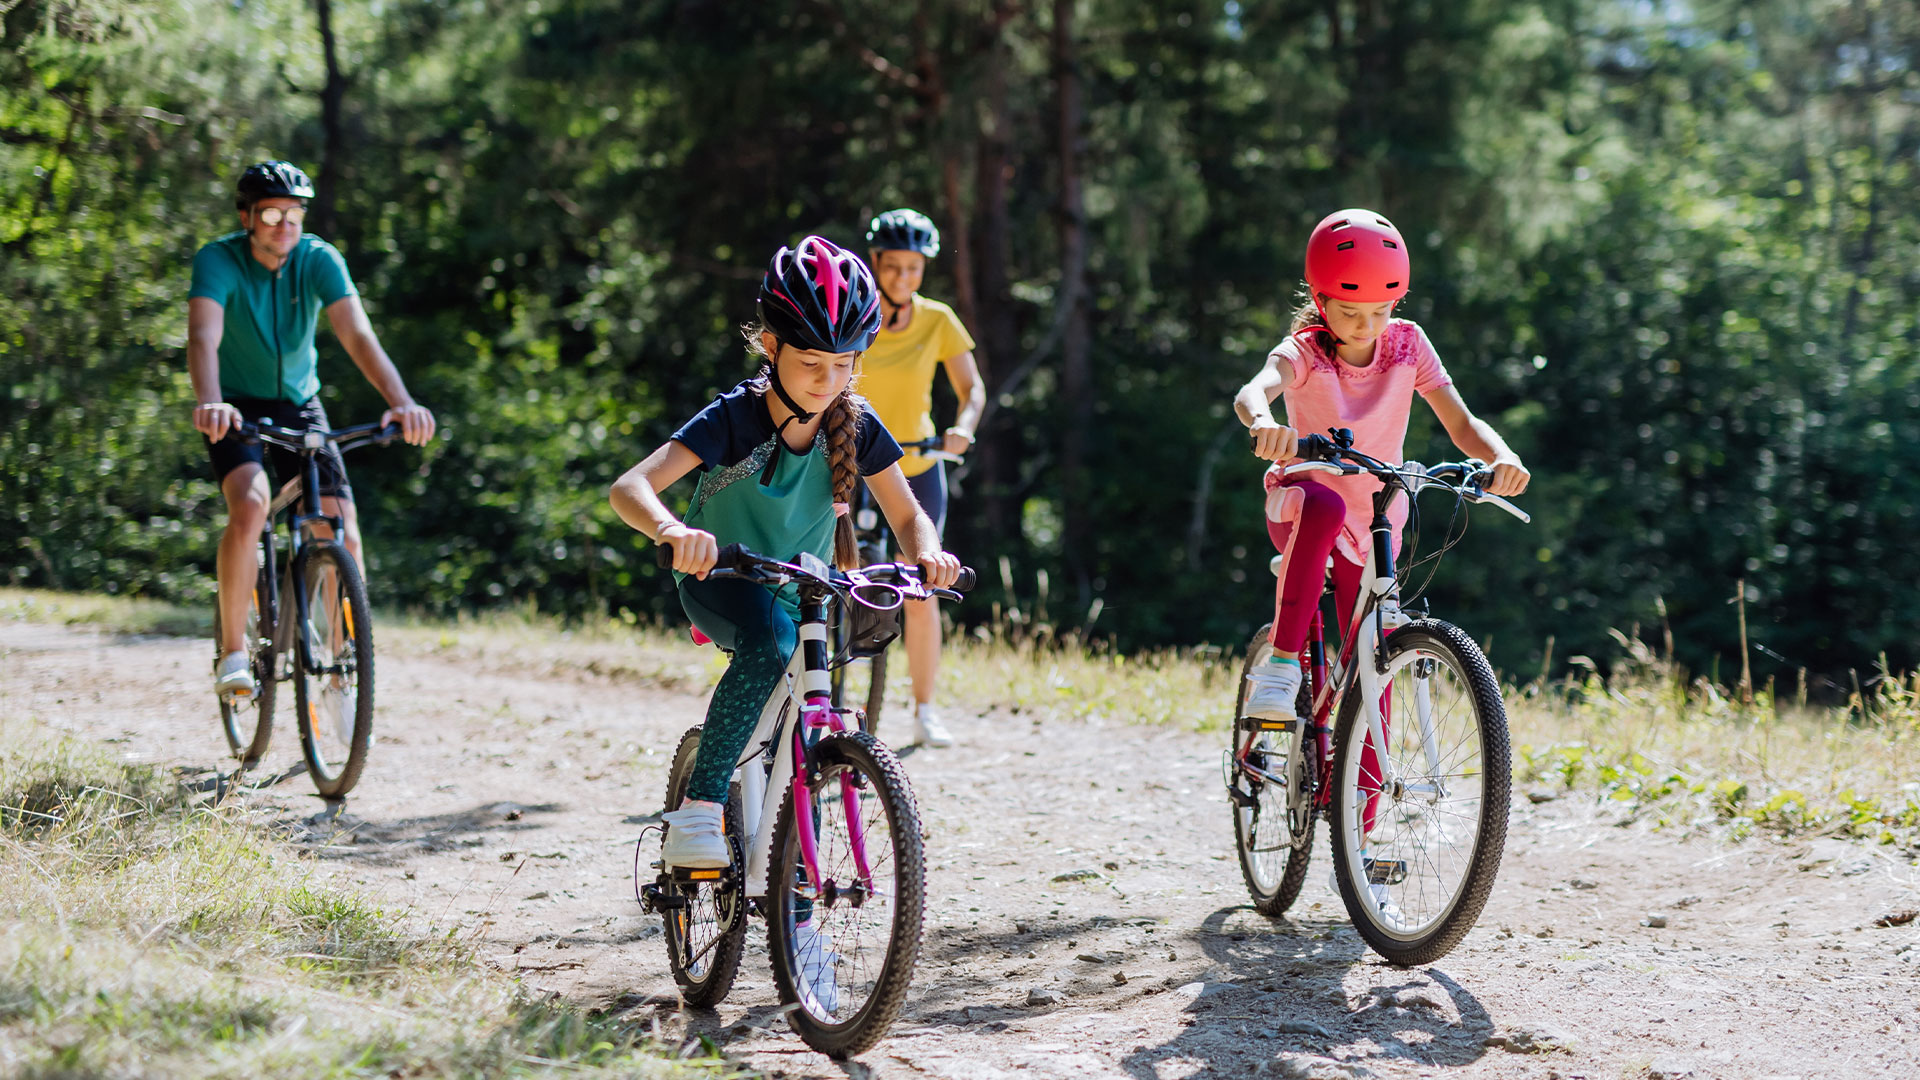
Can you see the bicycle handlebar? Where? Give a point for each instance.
(1334, 453)
(931, 448)
(295, 439)
(735, 561)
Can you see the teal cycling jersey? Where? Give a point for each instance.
(266, 348)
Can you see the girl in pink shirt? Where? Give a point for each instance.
(1347, 363)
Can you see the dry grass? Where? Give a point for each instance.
(1692, 755)
(147, 935)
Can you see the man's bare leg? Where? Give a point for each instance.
(239, 563)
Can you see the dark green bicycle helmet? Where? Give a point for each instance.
(904, 230)
(271, 180)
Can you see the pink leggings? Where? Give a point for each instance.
(1297, 595)
(1312, 533)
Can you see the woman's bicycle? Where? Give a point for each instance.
(864, 633)
(1404, 751)
(323, 641)
(842, 855)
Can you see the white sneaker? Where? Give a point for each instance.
(815, 959)
(1382, 899)
(233, 676)
(927, 728)
(337, 705)
(696, 838)
(1272, 690)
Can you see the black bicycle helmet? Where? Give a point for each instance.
(271, 180)
(904, 230)
(819, 296)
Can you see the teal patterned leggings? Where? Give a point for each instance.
(743, 617)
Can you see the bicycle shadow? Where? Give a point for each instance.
(344, 836)
(1284, 989)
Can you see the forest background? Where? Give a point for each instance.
(1667, 248)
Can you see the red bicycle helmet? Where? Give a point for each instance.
(820, 296)
(1356, 255)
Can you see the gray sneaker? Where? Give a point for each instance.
(233, 676)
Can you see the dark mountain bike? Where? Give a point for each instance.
(321, 642)
(1400, 743)
(860, 635)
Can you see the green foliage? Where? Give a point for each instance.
(1666, 250)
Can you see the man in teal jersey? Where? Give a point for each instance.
(256, 298)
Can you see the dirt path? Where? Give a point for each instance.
(505, 794)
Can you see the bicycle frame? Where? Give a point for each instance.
(303, 494)
(1360, 665)
(797, 714)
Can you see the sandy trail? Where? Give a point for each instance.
(504, 796)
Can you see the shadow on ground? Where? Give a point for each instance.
(1280, 1001)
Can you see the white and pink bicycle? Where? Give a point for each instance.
(843, 854)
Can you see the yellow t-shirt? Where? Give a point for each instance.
(896, 374)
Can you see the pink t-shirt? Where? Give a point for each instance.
(1375, 401)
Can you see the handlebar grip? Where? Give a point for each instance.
(727, 558)
(966, 581)
(388, 434)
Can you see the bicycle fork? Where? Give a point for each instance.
(818, 717)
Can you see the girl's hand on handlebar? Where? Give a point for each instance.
(956, 442)
(416, 423)
(694, 551)
(214, 420)
(1509, 476)
(1274, 441)
(940, 569)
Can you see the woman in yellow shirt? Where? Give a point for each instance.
(918, 335)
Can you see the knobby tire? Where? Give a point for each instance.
(1258, 836)
(854, 1028)
(332, 778)
(705, 969)
(1440, 917)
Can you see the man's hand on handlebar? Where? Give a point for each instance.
(940, 569)
(694, 550)
(416, 423)
(215, 419)
(1274, 441)
(1509, 476)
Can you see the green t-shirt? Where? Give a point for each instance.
(266, 350)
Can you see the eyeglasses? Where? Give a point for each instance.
(273, 215)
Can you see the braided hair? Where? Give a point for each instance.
(841, 423)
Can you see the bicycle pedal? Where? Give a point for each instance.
(654, 898)
(1258, 723)
(1386, 871)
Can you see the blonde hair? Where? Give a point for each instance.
(840, 420)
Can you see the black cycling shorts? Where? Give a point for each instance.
(230, 453)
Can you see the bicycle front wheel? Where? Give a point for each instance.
(1420, 822)
(248, 721)
(334, 697)
(1270, 790)
(844, 927)
(706, 922)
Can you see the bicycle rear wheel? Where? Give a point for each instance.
(706, 921)
(248, 721)
(844, 945)
(1419, 825)
(1272, 814)
(334, 701)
